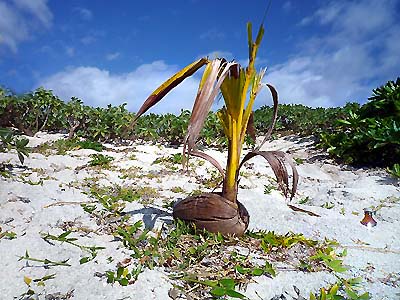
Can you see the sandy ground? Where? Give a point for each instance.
(335, 192)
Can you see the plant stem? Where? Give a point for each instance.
(229, 190)
(47, 261)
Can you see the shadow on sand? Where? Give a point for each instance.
(151, 214)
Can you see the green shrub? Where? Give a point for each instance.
(100, 160)
(31, 112)
(86, 144)
(41, 110)
(9, 141)
(362, 135)
(394, 171)
(384, 102)
(299, 119)
(369, 135)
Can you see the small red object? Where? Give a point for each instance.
(368, 220)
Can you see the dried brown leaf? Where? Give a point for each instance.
(208, 90)
(277, 160)
(210, 159)
(274, 94)
(250, 129)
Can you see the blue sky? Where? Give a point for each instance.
(318, 53)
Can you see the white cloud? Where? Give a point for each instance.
(92, 36)
(212, 34)
(18, 21)
(287, 6)
(37, 8)
(217, 53)
(98, 87)
(113, 56)
(358, 17)
(70, 51)
(358, 53)
(84, 13)
(306, 80)
(389, 60)
(88, 39)
(12, 29)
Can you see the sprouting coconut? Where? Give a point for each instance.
(222, 212)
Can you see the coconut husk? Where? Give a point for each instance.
(214, 213)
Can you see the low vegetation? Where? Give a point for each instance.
(369, 134)
(366, 135)
(9, 141)
(206, 265)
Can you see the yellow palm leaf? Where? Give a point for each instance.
(168, 85)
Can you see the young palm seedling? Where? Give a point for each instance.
(222, 212)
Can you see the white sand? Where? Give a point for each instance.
(373, 253)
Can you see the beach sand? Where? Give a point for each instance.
(44, 196)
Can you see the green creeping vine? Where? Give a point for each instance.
(204, 262)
